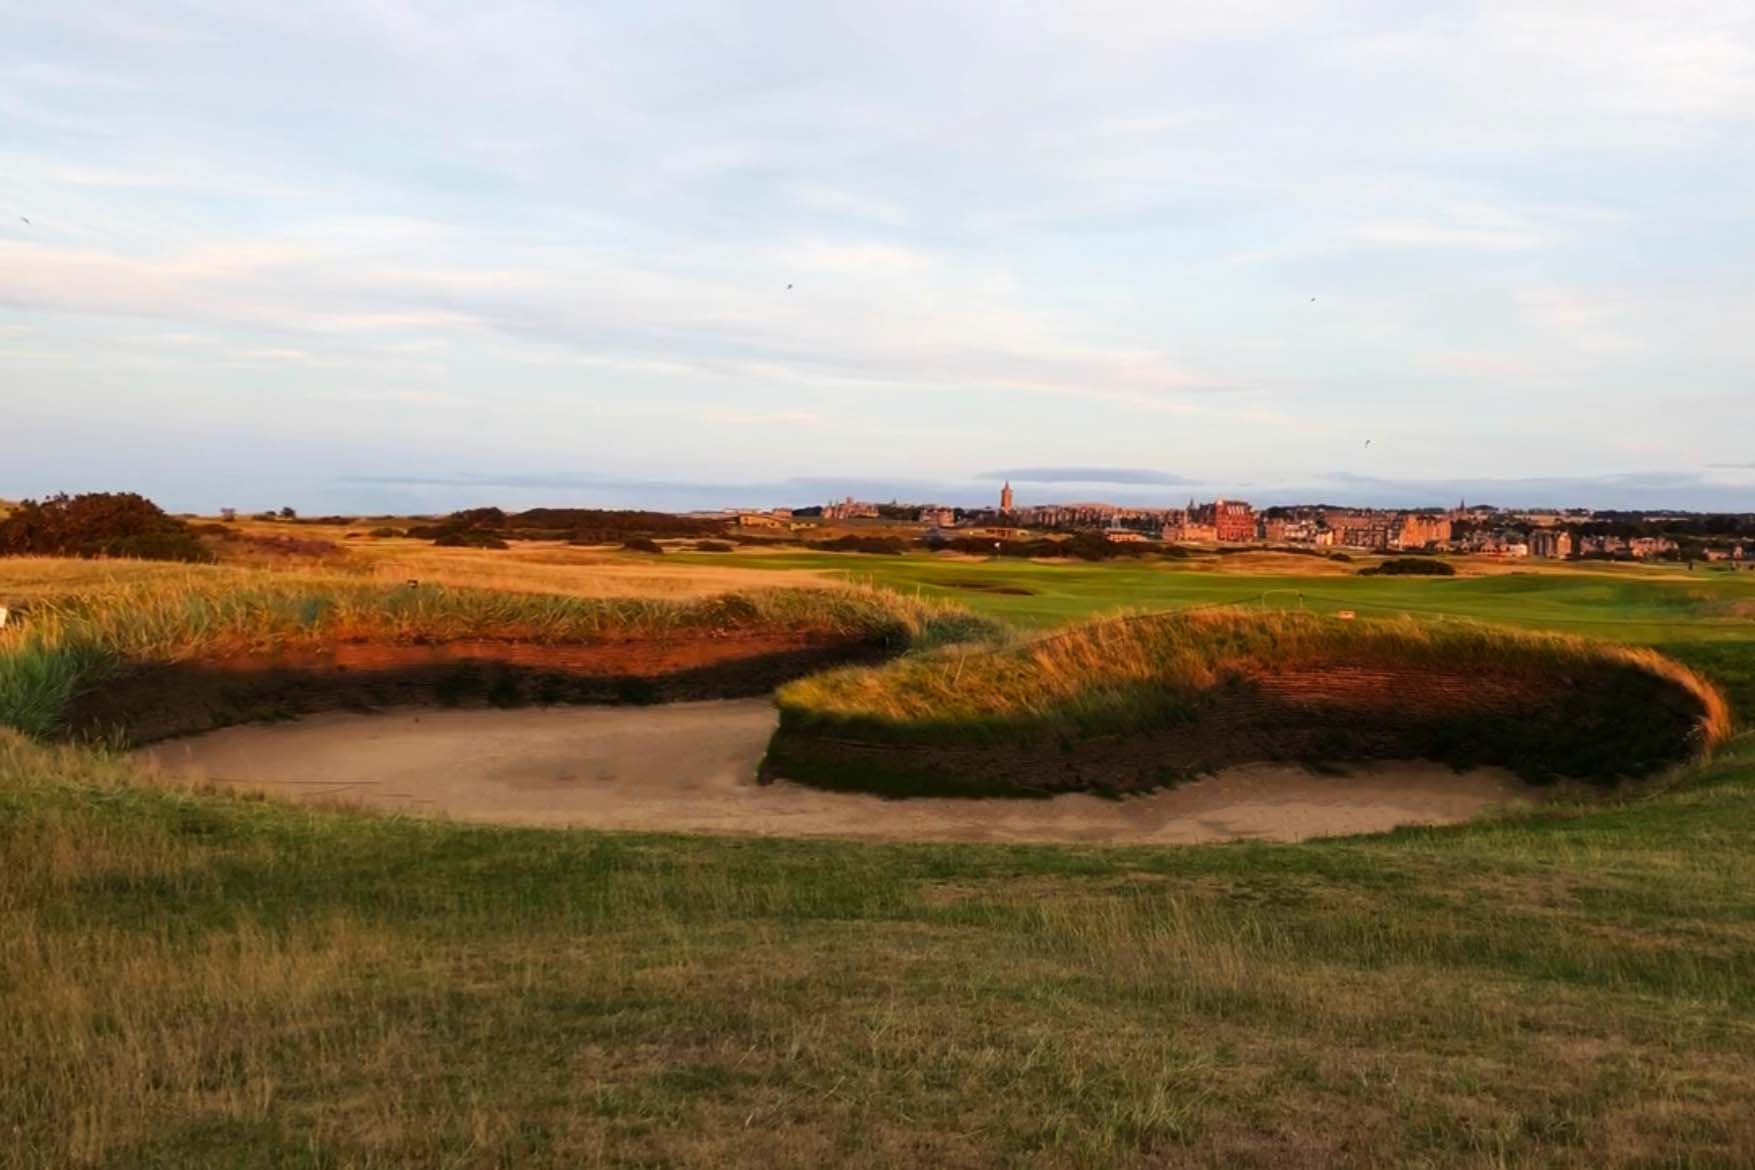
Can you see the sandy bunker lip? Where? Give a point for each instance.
(691, 767)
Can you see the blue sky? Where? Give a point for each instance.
(375, 255)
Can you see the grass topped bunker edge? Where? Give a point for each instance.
(1129, 704)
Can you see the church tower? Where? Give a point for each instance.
(1005, 497)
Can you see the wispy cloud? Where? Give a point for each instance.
(535, 234)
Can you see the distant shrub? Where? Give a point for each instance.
(1411, 567)
(644, 544)
(714, 546)
(99, 524)
(610, 526)
(383, 533)
(469, 538)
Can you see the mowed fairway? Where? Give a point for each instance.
(191, 979)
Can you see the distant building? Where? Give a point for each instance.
(1005, 498)
(759, 520)
(1220, 522)
(1234, 520)
(1364, 531)
(1124, 536)
(1189, 531)
(850, 509)
(1418, 530)
(1646, 547)
(1550, 543)
(934, 516)
(1284, 531)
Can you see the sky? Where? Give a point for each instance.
(384, 256)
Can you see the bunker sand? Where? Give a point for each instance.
(691, 767)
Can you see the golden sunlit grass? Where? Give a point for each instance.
(1292, 685)
(81, 630)
(1093, 677)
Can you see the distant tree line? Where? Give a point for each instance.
(475, 526)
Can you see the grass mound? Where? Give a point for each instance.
(81, 644)
(1129, 704)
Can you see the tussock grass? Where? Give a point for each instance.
(1107, 675)
(1142, 674)
(72, 639)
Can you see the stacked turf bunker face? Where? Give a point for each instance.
(1111, 706)
(1130, 704)
(134, 664)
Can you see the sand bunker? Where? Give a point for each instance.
(692, 767)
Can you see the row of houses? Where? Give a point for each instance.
(1549, 534)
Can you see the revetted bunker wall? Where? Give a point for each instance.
(1608, 720)
(153, 701)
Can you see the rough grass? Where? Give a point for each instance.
(1108, 675)
(1584, 707)
(189, 980)
(72, 639)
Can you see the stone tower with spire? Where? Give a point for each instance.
(1005, 497)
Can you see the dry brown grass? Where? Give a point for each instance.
(525, 568)
(577, 572)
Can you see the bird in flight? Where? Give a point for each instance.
(25, 220)
(1368, 442)
(788, 288)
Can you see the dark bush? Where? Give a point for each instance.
(99, 524)
(469, 538)
(610, 526)
(714, 546)
(643, 544)
(383, 533)
(1411, 567)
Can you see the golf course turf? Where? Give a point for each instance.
(193, 979)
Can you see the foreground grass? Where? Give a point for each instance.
(189, 980)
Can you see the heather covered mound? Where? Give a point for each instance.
(171, 657)
(98, 524)
(1130, 704)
